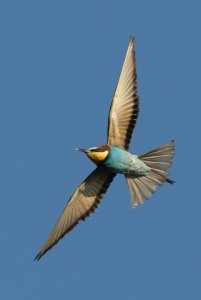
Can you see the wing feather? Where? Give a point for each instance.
(125, 104)
(83, 202)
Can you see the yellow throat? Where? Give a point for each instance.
(97, 157)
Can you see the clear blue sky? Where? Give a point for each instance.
(59, 64)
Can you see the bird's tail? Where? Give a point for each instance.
(159, 160)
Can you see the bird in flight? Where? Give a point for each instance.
(144, 173)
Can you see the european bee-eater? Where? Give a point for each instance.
(144, 173)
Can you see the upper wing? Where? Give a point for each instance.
(83, 202)
(125, 104)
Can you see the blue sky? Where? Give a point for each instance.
(59, 64)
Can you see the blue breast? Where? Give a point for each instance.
(118, 160)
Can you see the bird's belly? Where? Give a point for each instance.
(120, 161)
(117, 166)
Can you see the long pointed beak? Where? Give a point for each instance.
(82, 150)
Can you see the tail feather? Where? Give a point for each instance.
(159, 160)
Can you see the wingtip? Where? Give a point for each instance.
(131, 41)
(131, 44)
(38, 256)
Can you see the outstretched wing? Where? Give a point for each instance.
(83, 202)
(125, 104)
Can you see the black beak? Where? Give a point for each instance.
(82, 150)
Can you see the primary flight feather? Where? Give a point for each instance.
(144, 173)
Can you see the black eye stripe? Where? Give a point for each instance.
(97, 150)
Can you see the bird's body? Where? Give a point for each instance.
(144, 173)
(120, 161)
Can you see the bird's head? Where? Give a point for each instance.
(96, 154)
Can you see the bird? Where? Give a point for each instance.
(144, 173)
